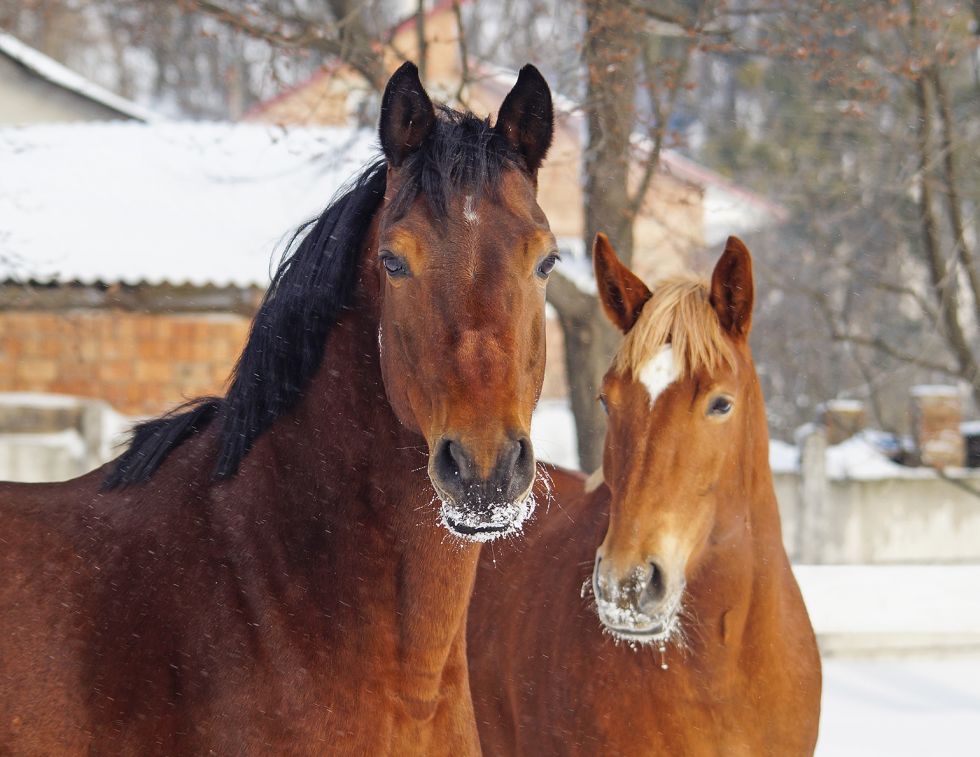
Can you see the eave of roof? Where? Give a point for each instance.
(55, 73)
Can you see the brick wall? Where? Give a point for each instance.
(142, 364)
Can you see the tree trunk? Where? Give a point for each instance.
(611, 54)
(610, 51)
(943, 280)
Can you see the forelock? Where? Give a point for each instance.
(462, 154)
(679, 313)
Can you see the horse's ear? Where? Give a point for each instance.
(526, 119)
(621, 291)
(407, 115)
(732, 290)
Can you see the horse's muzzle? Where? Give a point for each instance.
(483, 508)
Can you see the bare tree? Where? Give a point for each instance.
(626, 63)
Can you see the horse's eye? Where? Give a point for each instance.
(547, 265)
(720, 406)
(394, 265)
(604, 403)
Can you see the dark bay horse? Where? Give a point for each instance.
(702, 644)
(286, 569)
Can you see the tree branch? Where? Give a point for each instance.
(950, 180)
(885, 348)
(298, 32)
(420, 40)
(658, 129)
(570, 301)
(464, 58)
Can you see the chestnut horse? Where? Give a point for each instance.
(271, 572)
(702, 645)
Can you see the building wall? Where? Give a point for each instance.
(141, 364)
(25, 98)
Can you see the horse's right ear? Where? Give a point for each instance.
(621, 291)
(732, 290)
(526, 118)
(407, 115)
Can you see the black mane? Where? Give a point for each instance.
(309, 290)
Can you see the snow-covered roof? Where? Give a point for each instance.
(126, 202)
(54, 72)
(935, 390)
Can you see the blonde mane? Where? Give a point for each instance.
(680, 314)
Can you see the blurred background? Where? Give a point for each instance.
(154, 156)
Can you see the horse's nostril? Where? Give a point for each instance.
(445, 464)
(510, 453)
(452, 462)
(452, 466)
(656, 586)
(514, 470)
(461, 460)
(526, 453)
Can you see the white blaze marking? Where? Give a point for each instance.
(468, 213)
(658, 373)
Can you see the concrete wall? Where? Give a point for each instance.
(921, 519)
(55, 437)
(26, 98)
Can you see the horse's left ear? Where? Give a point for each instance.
(407, 115)
(621, 292)
(732, 290)
(526, 119)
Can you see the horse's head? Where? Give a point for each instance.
(683, 404)
(464, 252)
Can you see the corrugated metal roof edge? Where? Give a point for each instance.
(97, 281)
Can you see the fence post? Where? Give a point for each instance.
(92, 430)
(812, 532)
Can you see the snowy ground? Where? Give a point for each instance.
(895, 707)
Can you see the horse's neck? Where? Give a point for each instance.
(744, 573)
(357, 516)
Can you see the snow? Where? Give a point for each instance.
(934, 390)
(899, 707)
(508, 517)
(179, 203)
(576, 265)
(553, 433)
(895, 600)
(783, 457)
(64, 77)
(970, 428)
(862, 458)
(842, 405)
(859, 458)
